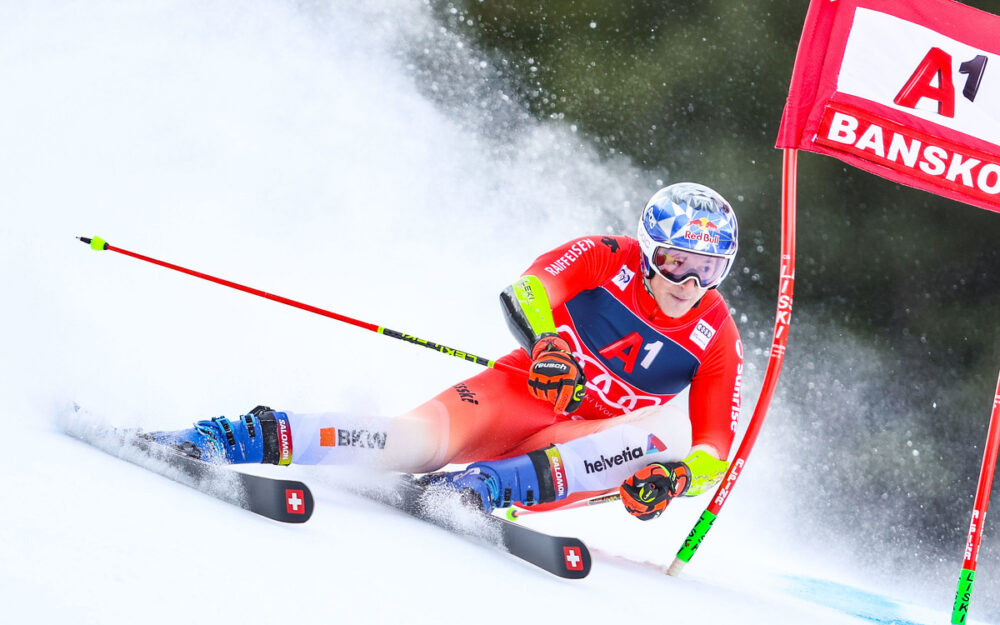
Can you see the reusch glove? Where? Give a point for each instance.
(555, 375)
(647, 493)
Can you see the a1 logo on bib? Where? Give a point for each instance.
(702, 334)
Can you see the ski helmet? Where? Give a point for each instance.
(688, 231)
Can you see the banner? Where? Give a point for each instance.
(908, 90)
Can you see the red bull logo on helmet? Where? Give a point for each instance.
(702, 230)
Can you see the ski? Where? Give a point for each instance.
(288, 501)
(562, 556)
(291, 501)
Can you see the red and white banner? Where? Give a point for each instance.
(908, 90)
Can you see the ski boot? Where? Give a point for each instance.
(525, 479)
(262, 435)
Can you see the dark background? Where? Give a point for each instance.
(886, 392)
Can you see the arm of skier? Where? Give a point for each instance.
(554, 376)
(552, 280)
(714, 405)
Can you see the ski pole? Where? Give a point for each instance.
(514, 513)
(783, 318)
(99, 244)
(963, 594)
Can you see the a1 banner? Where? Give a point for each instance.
(906, 90)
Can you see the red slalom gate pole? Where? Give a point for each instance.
(99, 244)
(963, 594)
(777, 357)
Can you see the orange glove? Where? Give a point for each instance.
(647, 493)
(555, 375)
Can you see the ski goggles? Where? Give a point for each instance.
(678, 266)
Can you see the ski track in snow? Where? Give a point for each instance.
(288, 146)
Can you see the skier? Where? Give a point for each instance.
(612, 329)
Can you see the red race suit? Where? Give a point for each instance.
(632, 354)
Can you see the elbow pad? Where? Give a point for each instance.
(706, 471)
(527, 311)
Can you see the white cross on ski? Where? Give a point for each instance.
(573, 561)
(294, 501)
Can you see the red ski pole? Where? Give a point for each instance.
(514, 513)
(964, 593)
(100, 244)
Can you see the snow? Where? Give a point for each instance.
(288, 146)
(110, 542)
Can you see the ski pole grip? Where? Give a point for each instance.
(96, 243)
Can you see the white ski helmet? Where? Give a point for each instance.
(687, 231)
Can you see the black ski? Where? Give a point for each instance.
(561, 556)
(289, 501)
(292, 502)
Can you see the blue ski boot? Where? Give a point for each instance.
(526, 479)
(262, 435)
